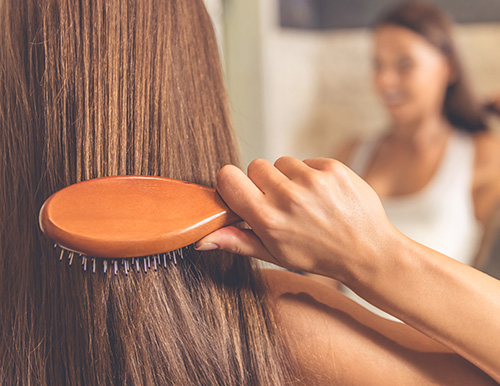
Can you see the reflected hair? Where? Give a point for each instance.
(111, 87)
(460, 107)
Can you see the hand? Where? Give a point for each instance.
(319, 216)
(316, 216)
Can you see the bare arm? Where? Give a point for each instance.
(448, 301)
(319, 217)
(335, 341)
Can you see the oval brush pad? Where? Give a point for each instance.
(132, 216)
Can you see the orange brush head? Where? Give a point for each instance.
(132, 216)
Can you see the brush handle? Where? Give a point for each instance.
(132, 216)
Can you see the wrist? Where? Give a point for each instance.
(376, 258)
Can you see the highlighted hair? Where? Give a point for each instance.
(107, 87)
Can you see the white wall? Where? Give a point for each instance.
(302, 93)
(317, 85)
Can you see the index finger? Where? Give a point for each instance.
(239, 192)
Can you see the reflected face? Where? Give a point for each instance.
(410, 74)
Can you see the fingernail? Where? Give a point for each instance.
(206, 247)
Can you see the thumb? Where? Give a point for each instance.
(235, 240)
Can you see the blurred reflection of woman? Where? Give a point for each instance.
(437, 169)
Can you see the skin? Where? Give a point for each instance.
(318, 216)
(333, 337)
(411, 77)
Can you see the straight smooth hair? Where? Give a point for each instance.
(111, 87)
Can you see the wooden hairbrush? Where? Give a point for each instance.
(131, 221)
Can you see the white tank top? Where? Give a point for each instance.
(441, 215)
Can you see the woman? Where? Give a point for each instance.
(114, 87)
(436, 170)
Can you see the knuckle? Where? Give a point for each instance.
(222, 175)
(225, 174)
(336, 173)
(333, 166)
(256, 164)
(282, 160)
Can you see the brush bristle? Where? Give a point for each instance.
(138, 264)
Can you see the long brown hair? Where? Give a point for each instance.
(96, 88)
(460, 106)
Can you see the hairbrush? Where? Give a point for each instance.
(134, 222)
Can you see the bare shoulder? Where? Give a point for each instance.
(299, 298)
(338, 342)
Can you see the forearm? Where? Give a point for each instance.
(318, 216)
(448, 301)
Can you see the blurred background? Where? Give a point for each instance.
(299, 71)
